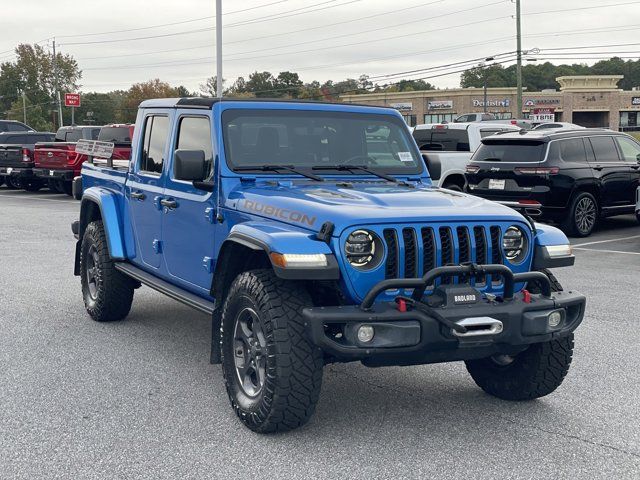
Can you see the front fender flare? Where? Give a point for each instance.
(547, 236)
(275, 238)
(107, 203)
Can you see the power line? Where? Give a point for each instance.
(582, 8)
(172, 23)
(209, 29)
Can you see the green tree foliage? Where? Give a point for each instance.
(536, 77)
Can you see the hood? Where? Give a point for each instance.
(310, 204)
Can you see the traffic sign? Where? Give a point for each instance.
(71, 99)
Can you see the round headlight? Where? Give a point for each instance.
(363, 249)
(514, 244)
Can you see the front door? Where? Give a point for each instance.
(188, 228)
(144, 191)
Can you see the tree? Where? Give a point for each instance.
(32, 72)
(261, 84)
(288, 84)
(144, 91)
(210, 86)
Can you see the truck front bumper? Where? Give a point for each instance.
(54, 174)
(427, 329)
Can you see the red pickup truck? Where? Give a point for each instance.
(59, 163)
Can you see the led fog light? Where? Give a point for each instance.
(554, 319)
(365, 333)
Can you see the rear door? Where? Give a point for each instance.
(612, 172)
(145, 187)
(630, 152)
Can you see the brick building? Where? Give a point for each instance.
(588, 100)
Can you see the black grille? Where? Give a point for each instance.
(481, 250)
(391, 265)
(447, 249)
(410, 253)
(428, 248)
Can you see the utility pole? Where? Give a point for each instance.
(24, 108)
(219, 48)
(55, 84)
(519, 62)
(484, 69)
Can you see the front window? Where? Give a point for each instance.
(318, 139)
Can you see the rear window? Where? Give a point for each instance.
(568, 150)
(442, 139)
(510, 151)
(604, 149)
(73, 136)
(115, 134)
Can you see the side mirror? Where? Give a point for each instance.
(433, 166)
(189, 165)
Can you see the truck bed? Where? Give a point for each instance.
(57, 155)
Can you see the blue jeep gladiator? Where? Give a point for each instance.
(311, 234)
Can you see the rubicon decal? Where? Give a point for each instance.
(282, 213)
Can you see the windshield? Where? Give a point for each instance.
(442, 139)
(308, 139)
(510, 151)
(115, 134)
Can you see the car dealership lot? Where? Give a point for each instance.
(139, 398)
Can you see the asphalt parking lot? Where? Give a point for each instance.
(79, 399)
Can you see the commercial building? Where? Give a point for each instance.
(588, 100)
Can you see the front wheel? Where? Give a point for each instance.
(272, 372)
(13, 182)
(534, 373)
(107, 293)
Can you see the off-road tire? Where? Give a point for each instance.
(293, 366)
(571, 224)
(534, 285)
(113, 293)
(534, 373)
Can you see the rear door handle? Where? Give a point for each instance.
(170, 204)
(138, 195)
(598, 167)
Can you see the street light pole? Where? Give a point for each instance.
(24, 108)
(488, 59)
(519, 62)
(219, 48)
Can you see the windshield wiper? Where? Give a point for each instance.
(275, 168)
(362, 168)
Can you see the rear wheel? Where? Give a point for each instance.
(582, 216)
(453, 186)
(107, 293)
(272, 372)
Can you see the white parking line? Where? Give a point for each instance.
(605, 241)
(606, 251)
(70, 202)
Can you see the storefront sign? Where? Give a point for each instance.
(532, 102)
(403, 107)
(491, 103)
(440, 105)
(542, 115)
(635, 101)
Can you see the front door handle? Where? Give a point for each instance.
(170, 204)
(138, 195)
(635, 167)
(598, 168)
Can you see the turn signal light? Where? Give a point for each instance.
(26, 155)
(537, 170)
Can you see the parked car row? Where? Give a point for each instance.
(32, 160)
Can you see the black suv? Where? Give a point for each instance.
(573, 177)
(14, 126)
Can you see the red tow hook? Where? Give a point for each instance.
(402, 304)
(526, 296)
